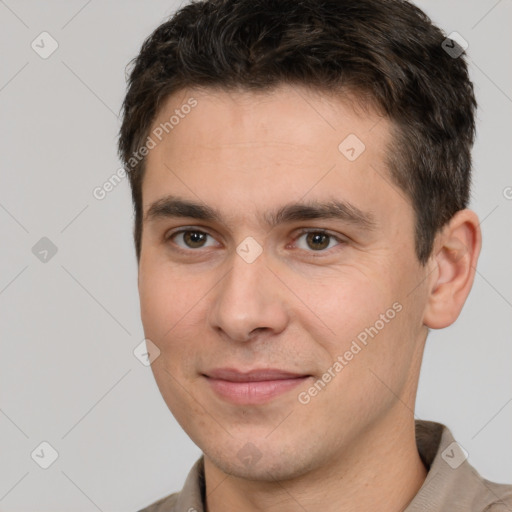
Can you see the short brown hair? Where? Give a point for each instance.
(388, 52)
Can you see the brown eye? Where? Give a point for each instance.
(194, 239)
(189, 238)
(317, 241)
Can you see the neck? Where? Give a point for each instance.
(382, 470)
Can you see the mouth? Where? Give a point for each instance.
(255, 386)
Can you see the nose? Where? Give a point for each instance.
(249, 300)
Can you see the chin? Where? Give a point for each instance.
(252, 464)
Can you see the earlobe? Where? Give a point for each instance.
(456, 251)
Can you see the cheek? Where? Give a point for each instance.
(375, 333)
(168, 316)
(342, 307)
(366, 324)
(167, 301)
(174, 307)
(362, 330)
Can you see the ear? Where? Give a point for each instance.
(454, 259)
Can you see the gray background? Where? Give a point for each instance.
(69, 326)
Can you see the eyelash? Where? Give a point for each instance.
(319, 253)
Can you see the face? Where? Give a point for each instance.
(298, 256)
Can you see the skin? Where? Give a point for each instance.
(352, 447)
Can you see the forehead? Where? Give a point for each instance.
(258, 148)
(286, 114)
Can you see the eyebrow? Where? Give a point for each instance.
(175, 207)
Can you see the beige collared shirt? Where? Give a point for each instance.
(452, 484)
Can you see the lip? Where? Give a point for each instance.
(255, 386)
(256, 374)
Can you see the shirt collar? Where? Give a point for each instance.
(451, 483)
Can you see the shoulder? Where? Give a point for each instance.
(165, 504)
(452, 483)
(191, 496)
(499, 497)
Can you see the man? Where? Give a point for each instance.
(300, 174)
